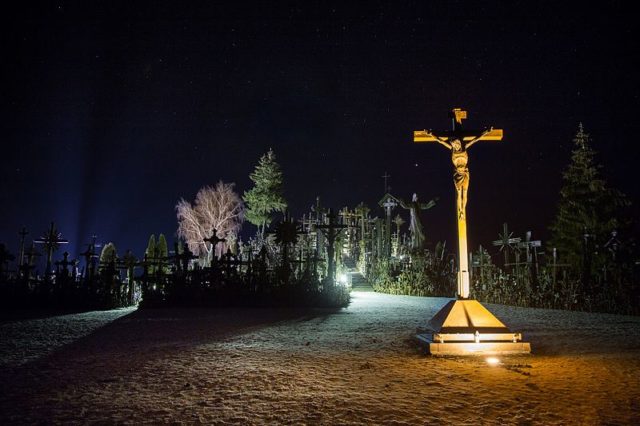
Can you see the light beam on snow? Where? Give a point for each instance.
(28, 340)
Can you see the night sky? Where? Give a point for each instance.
(111, 112)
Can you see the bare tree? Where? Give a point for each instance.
(218, 208)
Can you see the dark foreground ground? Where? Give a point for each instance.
(353, 366)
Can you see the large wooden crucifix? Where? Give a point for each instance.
(458, 141)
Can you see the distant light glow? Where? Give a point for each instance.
(343, 279)
(492, 361)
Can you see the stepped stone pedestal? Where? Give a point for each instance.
(465, 327)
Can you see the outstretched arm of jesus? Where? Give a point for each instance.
(443, 142)
(471, 142)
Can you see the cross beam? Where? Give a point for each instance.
(458, 141)
(428, 135)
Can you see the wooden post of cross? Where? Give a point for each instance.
(214, 240)
(23, 233)
(389, 202)
(331, 231)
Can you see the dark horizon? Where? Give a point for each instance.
(112, 113)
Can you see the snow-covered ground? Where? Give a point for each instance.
(357, 365)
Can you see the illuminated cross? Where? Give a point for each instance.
(458, 141)
(331, 231)
(389, 202)
(51, 240)
(506, 242)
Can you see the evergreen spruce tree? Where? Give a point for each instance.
(150, 252)
(588, 209)
(162, 251)
(266, 195)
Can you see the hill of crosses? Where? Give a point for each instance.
(253, 316)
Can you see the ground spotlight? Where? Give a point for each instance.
(492, 360)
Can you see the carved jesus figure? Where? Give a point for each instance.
(460, 158)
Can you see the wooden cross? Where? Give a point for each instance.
(458, 132)
(613, 244)
(318, 210)
(530, 246)
(506, 242)
(480, 260)
(399, 221)
(362, 211)
(386, 176)
(389, 202)
(28, 264)
(129, 263)
(458, 141)
(90, 256)
(65, 263)
(331, 231)
(348, 217)
(181, 260)
(230, 262)
(555, 265)
(214, 240)
(51, 240)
